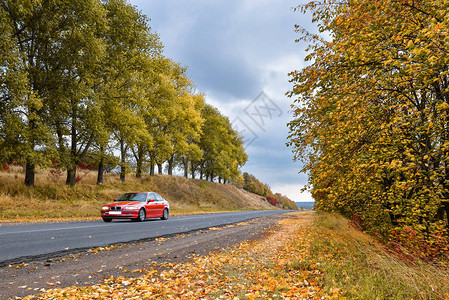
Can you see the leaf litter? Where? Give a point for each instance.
(277, 267)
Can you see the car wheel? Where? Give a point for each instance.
(107, 220)
(165, 215)
(141, 216)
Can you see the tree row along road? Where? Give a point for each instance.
(23, 242)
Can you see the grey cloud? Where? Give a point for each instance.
(234, 50)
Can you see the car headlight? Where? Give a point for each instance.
(105, 208)
(130, 208)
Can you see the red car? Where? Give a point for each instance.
(136, 206)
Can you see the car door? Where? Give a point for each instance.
(160, 205)
(151, 205)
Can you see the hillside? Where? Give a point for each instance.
(52, 199)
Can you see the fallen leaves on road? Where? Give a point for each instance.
(18, 266)
(229, 226)
(107, 248)
(278, 267)
(215, 228)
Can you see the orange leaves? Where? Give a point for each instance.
(106, 248)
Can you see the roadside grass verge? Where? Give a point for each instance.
(364, 269)
(51, 199)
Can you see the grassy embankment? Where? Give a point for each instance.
(364, 269)
(309, 256)
(52, 199)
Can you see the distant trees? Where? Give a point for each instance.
(251, 184)
(222, 148)
(371, 121)
(81, 80)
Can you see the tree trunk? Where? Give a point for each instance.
(185, 164)
(152, 163)
(122, 161)
(71, 169)
(71, 176)
(192, 170)
(139, 168)
(159, 169)
(138, 155)
(29, 174)
(101, 167)
(30, 167)
(170, 166)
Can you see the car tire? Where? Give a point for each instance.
(107, 220)
(165, 215)
(141, 216)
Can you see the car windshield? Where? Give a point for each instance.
(141, 197)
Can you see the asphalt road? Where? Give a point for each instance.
(27, 241)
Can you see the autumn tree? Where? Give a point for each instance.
(192, 150)
(184, 120)
(131, 51)
(57, 44)
(222, 147)
(371, 112)
(253, 185)
(75, 107)
(13, 92)
(175, 121)
(28, 30)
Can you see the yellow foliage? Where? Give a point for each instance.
(371, 118)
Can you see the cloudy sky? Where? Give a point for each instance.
(239, 52)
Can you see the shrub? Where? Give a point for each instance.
(409, 243)
(273, 201)
(5, 168)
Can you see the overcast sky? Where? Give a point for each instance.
(239, 52)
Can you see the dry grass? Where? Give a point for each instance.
(52, 199)
(365, 270)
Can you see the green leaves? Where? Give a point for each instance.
(223, 152)
(83, 78)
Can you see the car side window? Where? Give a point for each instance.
(159, 197)
(151, 196)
